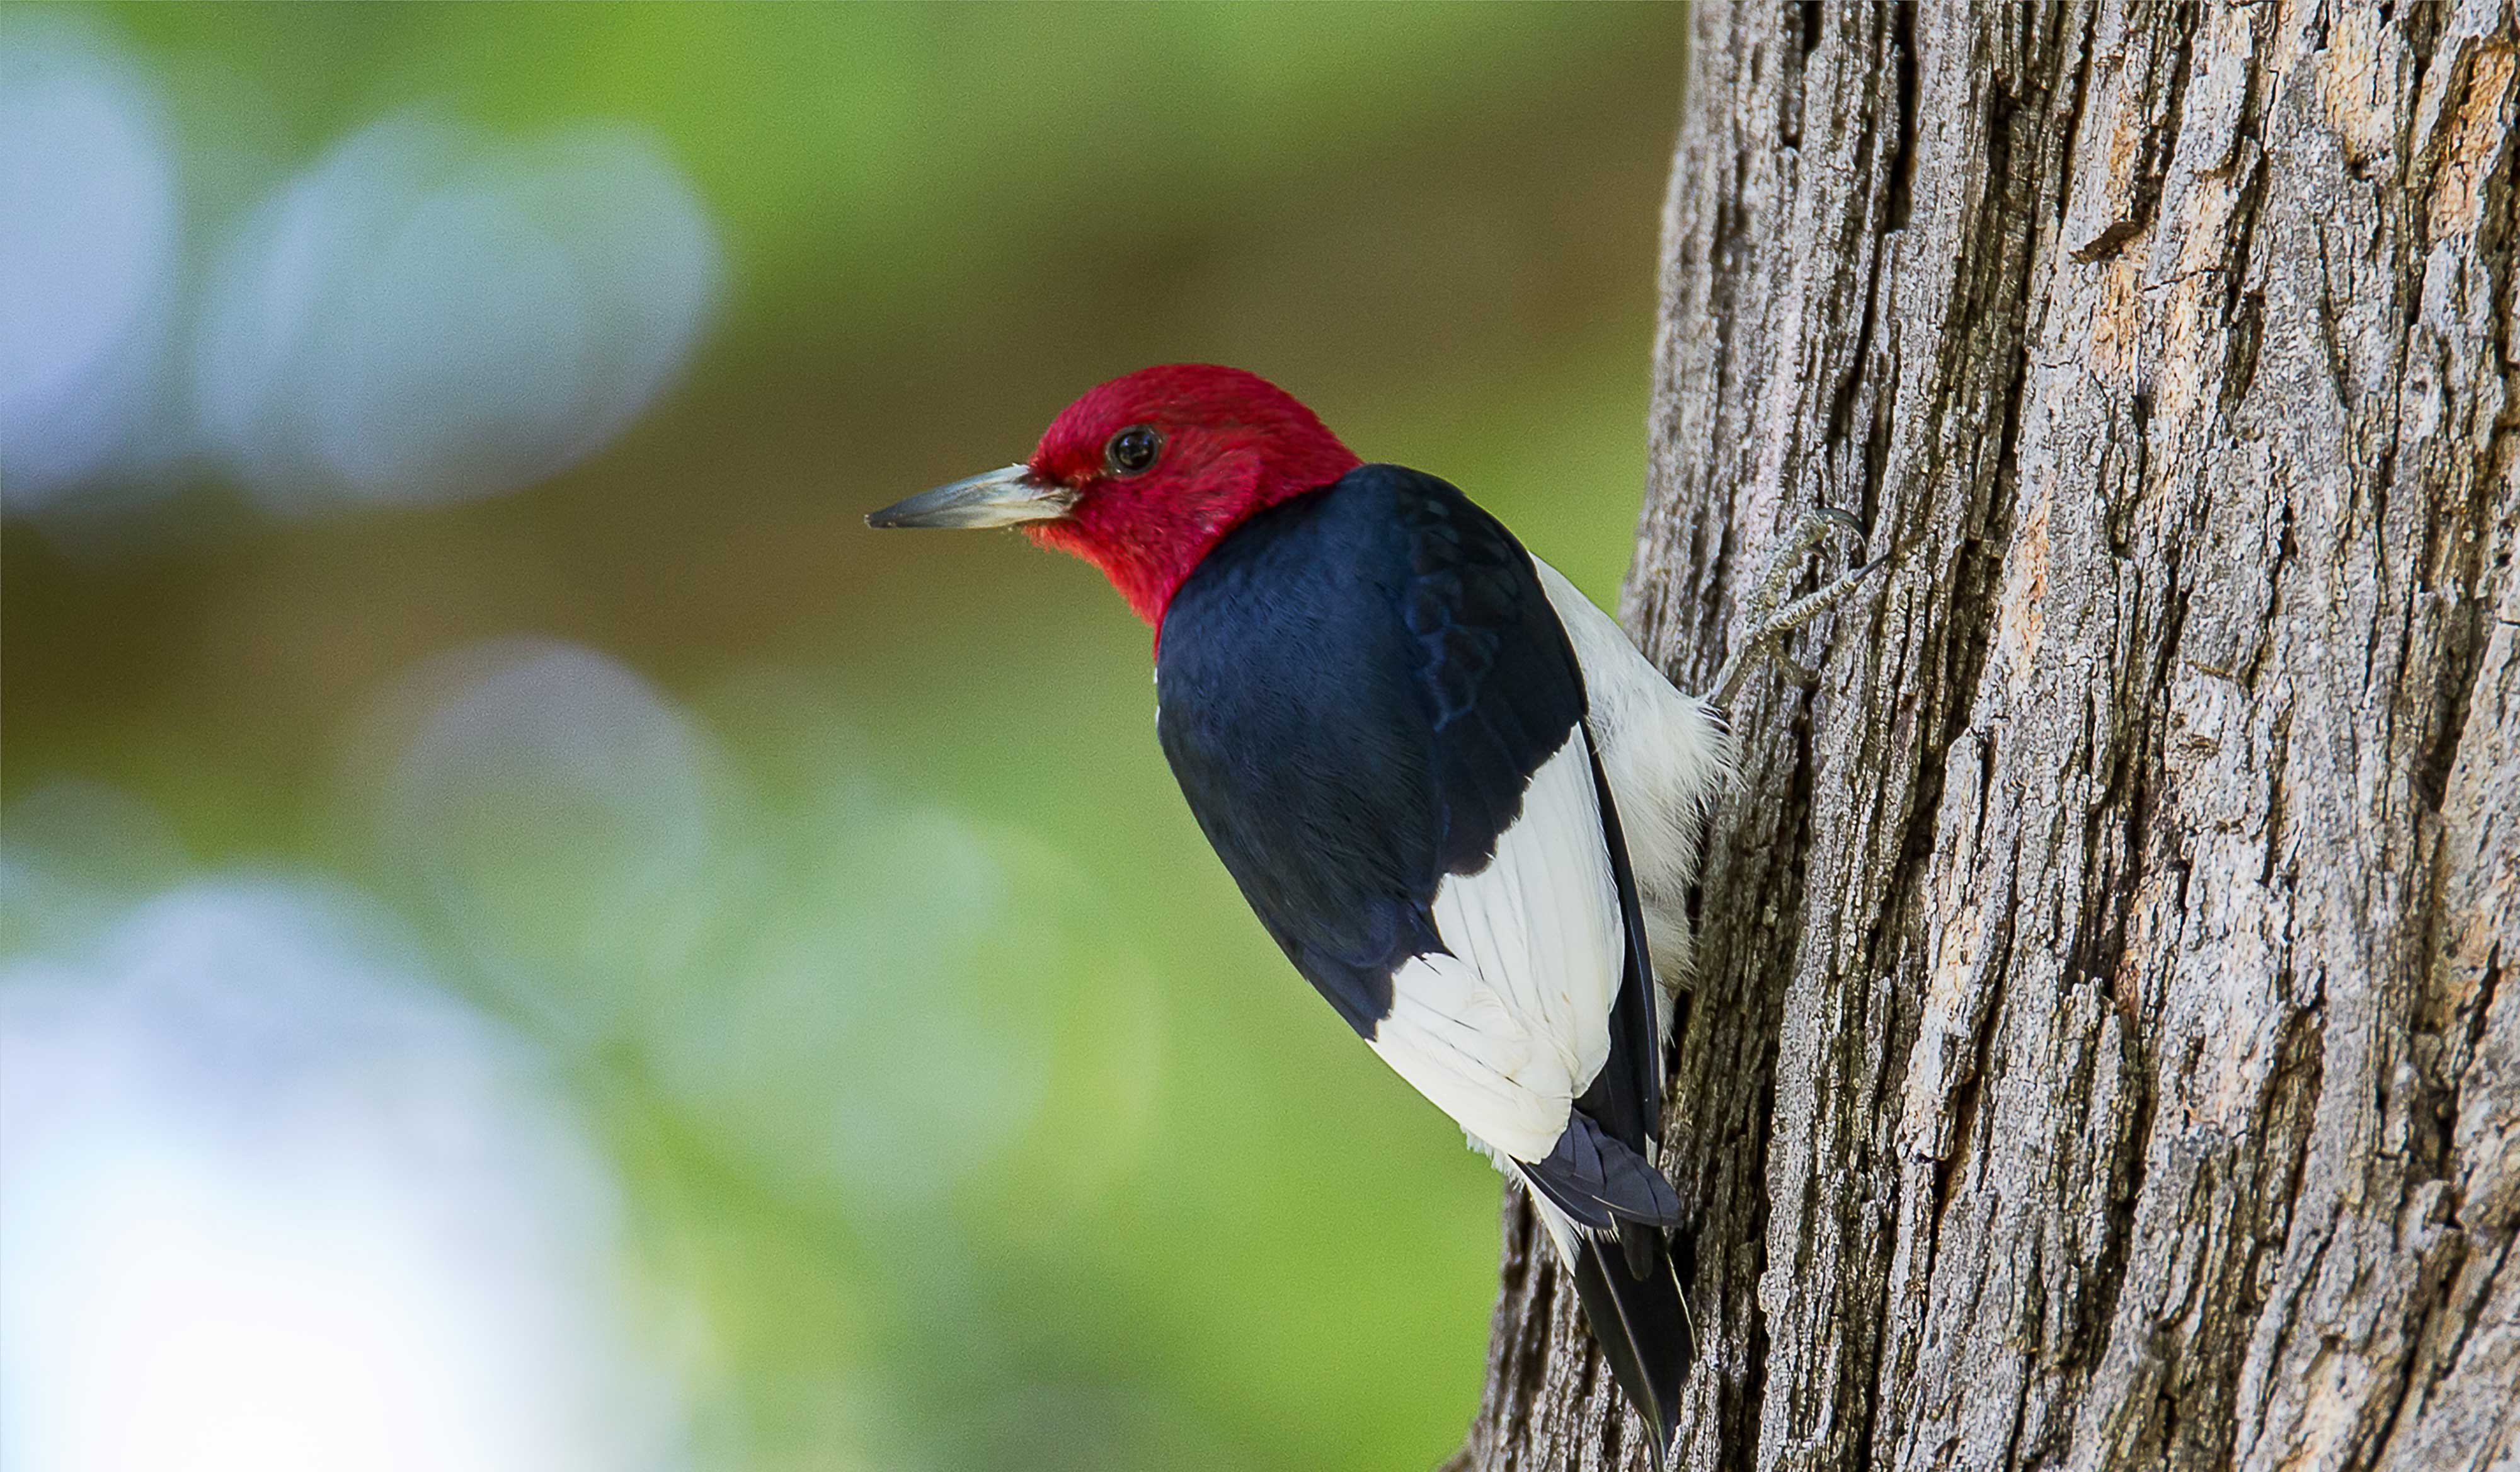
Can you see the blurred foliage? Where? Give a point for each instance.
(942, 873)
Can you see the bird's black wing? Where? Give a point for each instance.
(1377, 719)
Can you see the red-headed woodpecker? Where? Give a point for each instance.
(1459, 799)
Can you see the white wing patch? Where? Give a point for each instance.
(1507, 1031)
(1665, 756)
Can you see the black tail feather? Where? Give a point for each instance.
(1601, 1181)
(1641, 1321)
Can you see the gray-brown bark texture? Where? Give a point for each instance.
(2105, 1046)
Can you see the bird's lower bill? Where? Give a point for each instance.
(1008, 497)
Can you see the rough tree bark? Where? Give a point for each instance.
(2101, 1053)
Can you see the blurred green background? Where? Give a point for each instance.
(960, 1113)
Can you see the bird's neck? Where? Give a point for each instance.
(1147, 558)
(1145, 575)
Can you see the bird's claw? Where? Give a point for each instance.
(1767, 617)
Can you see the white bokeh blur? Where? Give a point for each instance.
(90, 247)
(274, 1200)
(298, 1174)
(426, 316)
(423, 313)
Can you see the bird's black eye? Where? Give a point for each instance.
(1133, 449)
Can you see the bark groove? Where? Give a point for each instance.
(2100, 1054)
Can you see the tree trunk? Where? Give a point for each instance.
(2098, 1055)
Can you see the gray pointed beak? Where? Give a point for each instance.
(1007, 497)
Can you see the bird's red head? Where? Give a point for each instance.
(1145, 475)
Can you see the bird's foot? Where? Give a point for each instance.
(1768, 616)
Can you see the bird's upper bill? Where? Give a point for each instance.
(1146, 473)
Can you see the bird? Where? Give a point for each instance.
(1455, 793)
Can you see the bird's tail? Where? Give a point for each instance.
(1632, 1299)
